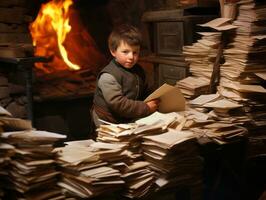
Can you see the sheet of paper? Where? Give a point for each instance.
(156, 116)
(261, 75)
(171, 99)
(202, 99)
(223, 104)
(219, 24)
(4, 112)
(170, 138)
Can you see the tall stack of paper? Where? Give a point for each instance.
(242, 76)
(85, 173)
(201, 56)
(243, 73)
(32, 170)
(174, 157)
(139, 180)
(6, 152)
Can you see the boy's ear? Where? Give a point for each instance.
(113, 53)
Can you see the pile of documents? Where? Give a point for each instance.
(201, 56)
(193, 86)
(128, 134)
(139, 180)
(32, 170)
(26, 160)
(85, 170)
(216, 117)
(138, 175)
(244, 72)
(174, 157)
(116, 133)
(242, 76)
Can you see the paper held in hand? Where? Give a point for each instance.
(171, 98)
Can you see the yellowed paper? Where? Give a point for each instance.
(261, 75)
(171, 99)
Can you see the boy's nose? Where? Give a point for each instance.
(131, 55)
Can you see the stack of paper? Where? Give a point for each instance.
(174, 157)
(128, 134)
(245, 55)
(7, 122)
(220, 24)
(6, 151)
(115, 154)
(164, 120)
(242, 76)
(32, 170)
(243, 73)
(201, 55)
(84, 173)
(139, 180)
(216, 114)
(224, 133)
(193, 86)
(116, 133)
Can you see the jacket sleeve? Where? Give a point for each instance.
(119, 104)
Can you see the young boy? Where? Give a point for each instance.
(121, 85)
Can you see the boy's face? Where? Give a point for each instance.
(126, 55)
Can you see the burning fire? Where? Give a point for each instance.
(53, 36)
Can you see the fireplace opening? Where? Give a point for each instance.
(64, 86)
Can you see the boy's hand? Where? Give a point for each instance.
(153, 105)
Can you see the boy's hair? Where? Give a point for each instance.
(125, 32)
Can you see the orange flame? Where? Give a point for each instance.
(49, 32)
(57, 32)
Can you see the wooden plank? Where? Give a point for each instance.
(9, 3)
(13, 15)
(163, 60)
(163, 15)
(16, 51)
(13, 28)
(15, 38)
